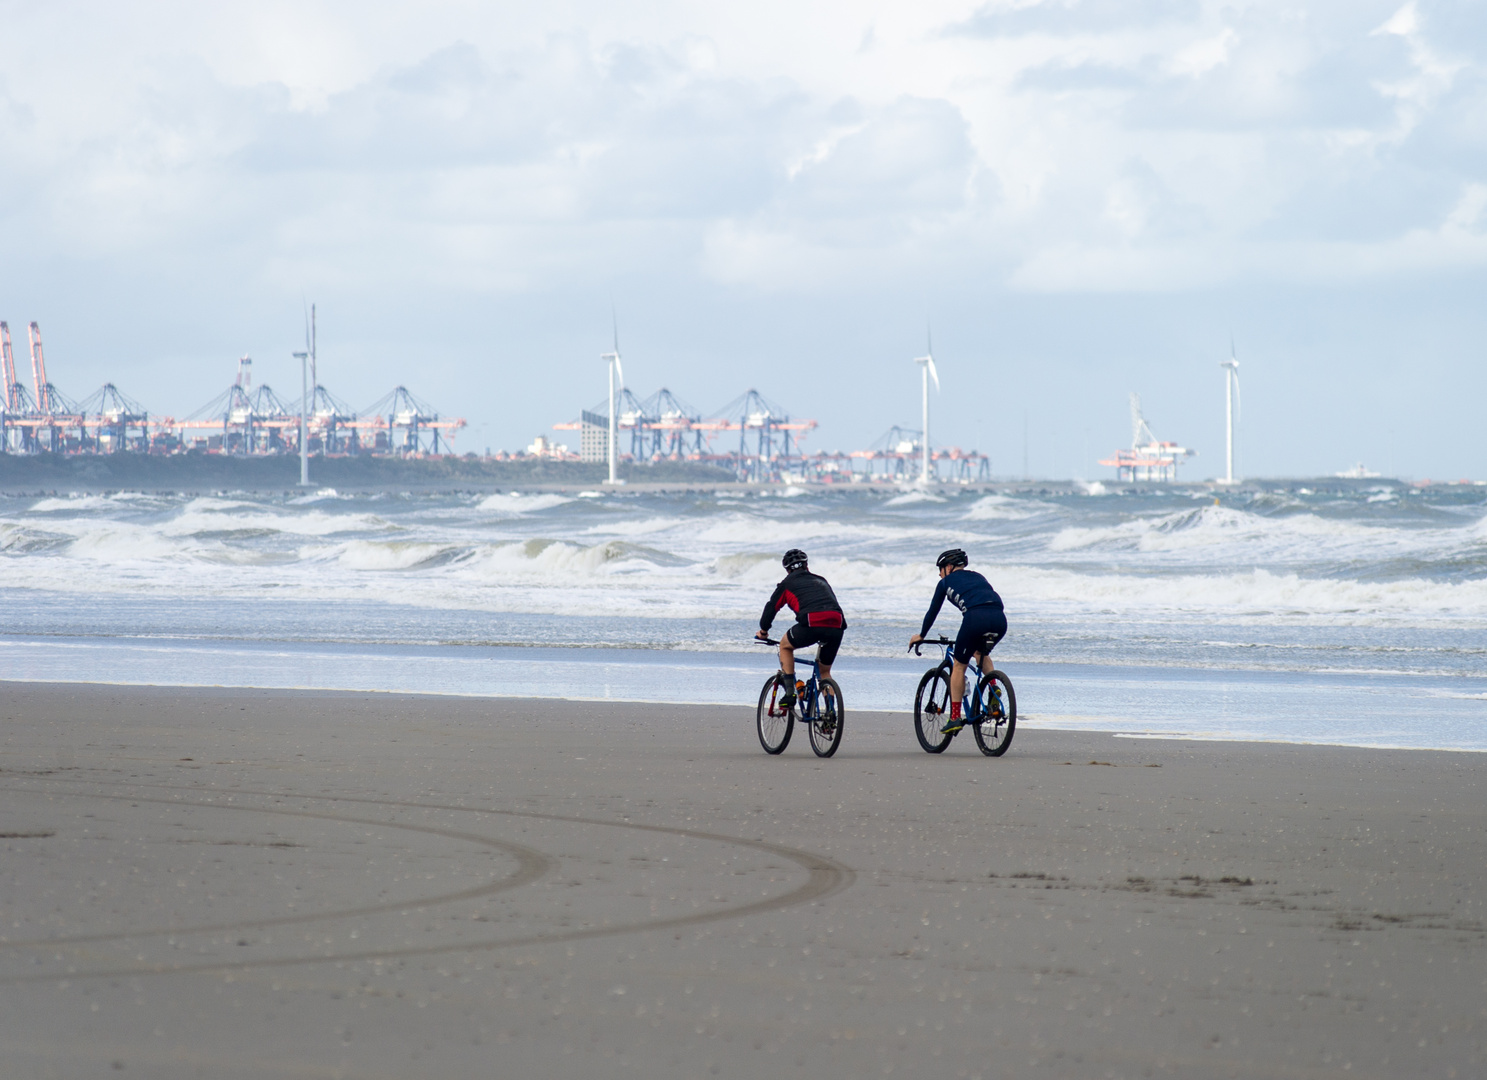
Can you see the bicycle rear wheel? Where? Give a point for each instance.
(998, 717)
(826, 725)
(774, 722)
(931, 707)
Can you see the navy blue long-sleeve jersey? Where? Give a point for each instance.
(965, 589)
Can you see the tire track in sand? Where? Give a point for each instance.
(824, 876)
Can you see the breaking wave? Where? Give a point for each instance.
(1105, 572)
(517, 504)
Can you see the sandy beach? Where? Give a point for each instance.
(210, 882)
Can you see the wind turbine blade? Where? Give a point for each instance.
(933, 374)
(615, 320)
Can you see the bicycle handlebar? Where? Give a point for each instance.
(764, 641)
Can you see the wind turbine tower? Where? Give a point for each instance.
(307, 386)
(615, 386)
(1231, 401)
(926, 372)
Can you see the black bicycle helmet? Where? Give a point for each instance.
(794, 560)
(953, 557)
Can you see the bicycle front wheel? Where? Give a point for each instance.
(931, 707)
(826, 725)
(998, 714)
(774, 721)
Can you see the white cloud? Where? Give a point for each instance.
(1466, 217)
(1204, 55)
(1417, 92)
(1027, 130)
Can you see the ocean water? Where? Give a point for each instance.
(1351, 613)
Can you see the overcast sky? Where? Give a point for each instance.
(1083, 198)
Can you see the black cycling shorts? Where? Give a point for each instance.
(828, 637)
(980, 629)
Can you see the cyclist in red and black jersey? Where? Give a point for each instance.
(818, 618)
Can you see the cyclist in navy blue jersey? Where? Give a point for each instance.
(818, 618)
(983, 623)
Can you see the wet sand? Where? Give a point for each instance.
(274, 883)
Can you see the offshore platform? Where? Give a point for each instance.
(243, 420)
(1149, 458)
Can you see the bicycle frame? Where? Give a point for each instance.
(973, 706)
(808, 701)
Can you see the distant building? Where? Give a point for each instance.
(593, 438)
(544, 447)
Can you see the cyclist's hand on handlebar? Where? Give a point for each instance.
(762, 636)
(916, 639)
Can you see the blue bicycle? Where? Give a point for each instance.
(818, 705)
(990, 709)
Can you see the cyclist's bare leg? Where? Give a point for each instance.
(787, 655)
(958, 682)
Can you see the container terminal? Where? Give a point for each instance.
(243, 420)
(751, 436)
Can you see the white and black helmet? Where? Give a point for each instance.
(794, 560)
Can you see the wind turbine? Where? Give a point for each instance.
(1231, 400)
(613, 359)
(926, 372)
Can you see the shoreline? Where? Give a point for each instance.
(205, 474)
(1038, 723)
(1297, 707)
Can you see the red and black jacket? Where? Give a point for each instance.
(810, 597)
